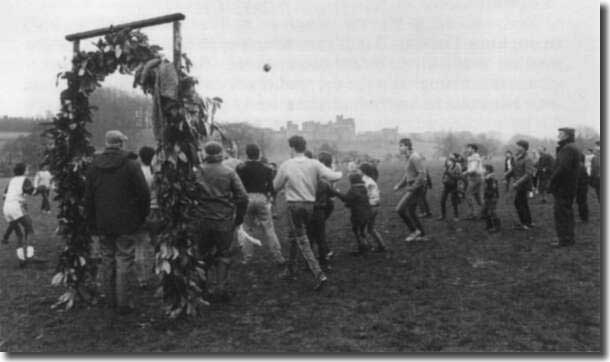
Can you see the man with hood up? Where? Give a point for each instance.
(117, 201)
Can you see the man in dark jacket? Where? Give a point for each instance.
(563, 185)
(258, 181)
(522, 172)
(117, 201)
(544, 167)
(224, 208)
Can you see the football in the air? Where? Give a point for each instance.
(266, 67)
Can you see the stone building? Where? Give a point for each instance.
(341, 130)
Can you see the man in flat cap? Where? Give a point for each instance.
(117, 202)
(225, 205)
(522, 173)
(563, 185)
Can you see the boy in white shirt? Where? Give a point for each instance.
(474, 176)
(15, 207)
(42, 187)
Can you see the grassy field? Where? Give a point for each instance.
(464, 290)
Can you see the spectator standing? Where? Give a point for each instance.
(491, 194)
(588, 158)
(522, 173)
(595, 177)
(509, 163)
(144, 252)
(582, 191)
(474, 178)
(450, 179)
(117, 201)
(563, 186)
(42, 187)
(534, 190)
(544, 167)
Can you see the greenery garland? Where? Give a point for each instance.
(70, 153)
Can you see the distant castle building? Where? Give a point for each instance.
(342, 130)
(342, 133)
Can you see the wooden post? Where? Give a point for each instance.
(177, 46)
(75, 47)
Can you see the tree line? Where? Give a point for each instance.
(118, 109)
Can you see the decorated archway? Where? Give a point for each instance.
(182, 121)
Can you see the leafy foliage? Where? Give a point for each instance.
(178, 193)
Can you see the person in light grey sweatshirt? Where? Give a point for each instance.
(299, 176)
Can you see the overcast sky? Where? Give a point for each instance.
(509, 66)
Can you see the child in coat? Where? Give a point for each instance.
(368, 177)
(357, 200)
(491, 194)
(451, 180)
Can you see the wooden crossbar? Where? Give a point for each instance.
(133, 25)
(171, 18)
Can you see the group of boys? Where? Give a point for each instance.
(567, 178)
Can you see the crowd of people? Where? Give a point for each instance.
(239, 197)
